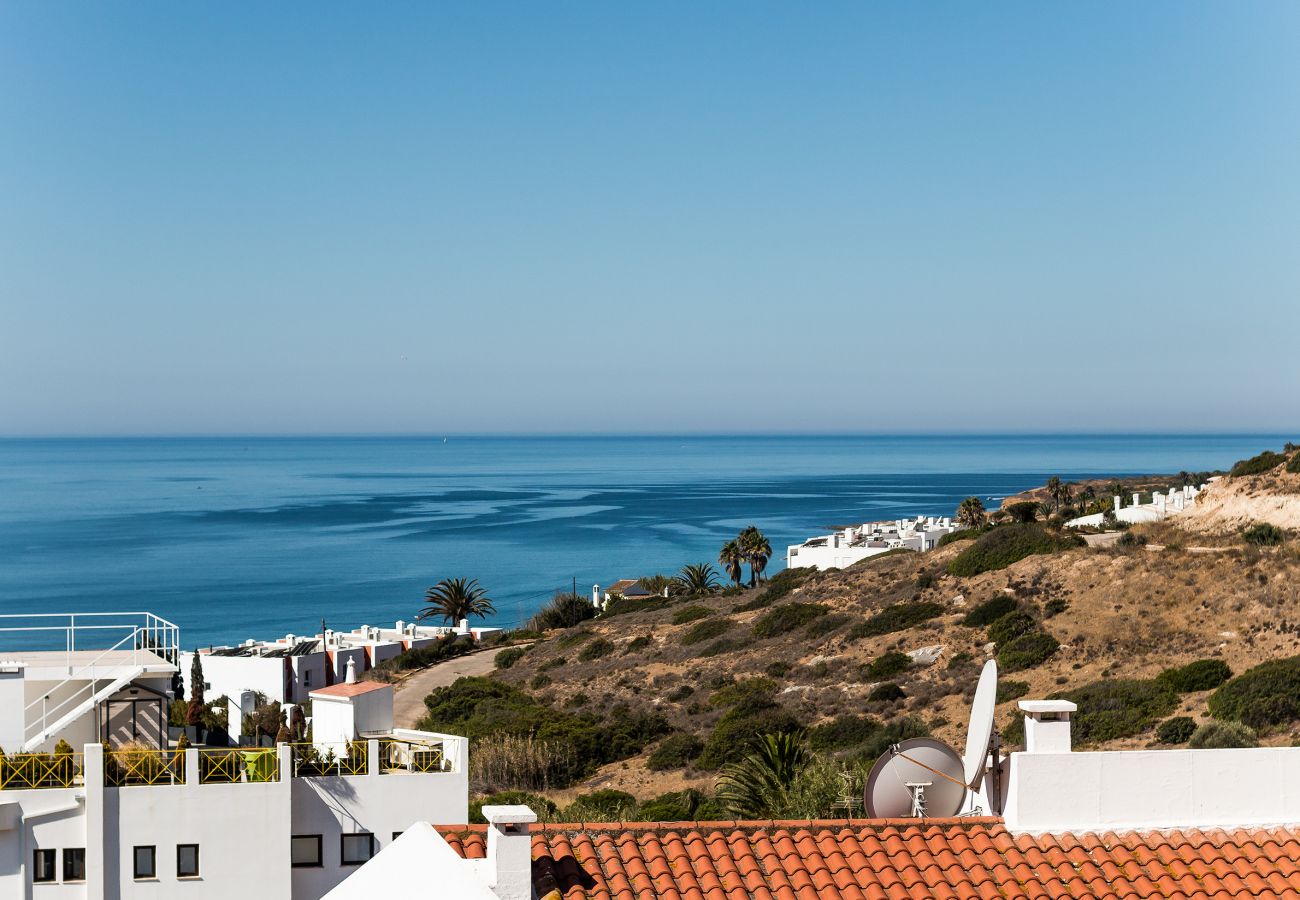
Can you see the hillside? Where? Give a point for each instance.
(697, 678)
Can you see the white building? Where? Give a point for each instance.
(847, 546)
(288, 669)
(1162, 506)
(148, 821)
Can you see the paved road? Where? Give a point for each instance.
(408, 702)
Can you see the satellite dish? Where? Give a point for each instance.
(980, 730)
(920, 777)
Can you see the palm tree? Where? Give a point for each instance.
(755, 547)
(454, 599)
(971, 512)
(1054, 490)
(732, 560)
(757, 786)
(697, 578)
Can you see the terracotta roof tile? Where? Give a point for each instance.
(946, 859)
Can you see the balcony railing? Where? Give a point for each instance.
(131, 767)
(309, 761)
(238, 766)
(410, 756)
(28, 771)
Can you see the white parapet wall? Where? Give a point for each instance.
(1129, 790)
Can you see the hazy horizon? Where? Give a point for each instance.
(680, 219)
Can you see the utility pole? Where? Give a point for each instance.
(575, 585)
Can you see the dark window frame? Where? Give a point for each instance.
(343, 843)
(69, 855)
(320, 851)
(51, 858)
(197, 867)
(153, 862)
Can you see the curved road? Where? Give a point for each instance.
(408, 699)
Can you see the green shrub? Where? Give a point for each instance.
(1055, 607)
(680, 693)
(1257, 465)
(1023, 511)
(888, 665)
(1009, 689)
(1202, 675)
(779, 586)
(676, 752)
(784, 619)
(623, 605)
(1131, 539)
(717, 648)
(638, 644)
(573, 638)
(898, 617)
(552, 663)
(1011, 626)
(747, 690)
(1293, 464)
(824, 625)
(678, 806)
(966, 534)
(705, 631)
(596, 649)
(886, 693)
(1262, 534)
(540, 680)
(564, 611)
(842, 732)
(509, 656)
(1009, 544)
(959, 660)
(604, 805)
(1117, 708)
(1176, 730)
(924, 581)
(1222, 736)
(777, 668)
(895, 730)
(1262, 697)
(990, 611)
(691, 614)
(734, 735)
(1026, 651)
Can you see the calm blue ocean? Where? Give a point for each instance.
(233, 538)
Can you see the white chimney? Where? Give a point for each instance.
(1119, 503)
(1137, 499)
(595, 596)
(463, 627)
(1047, 725)
(509, 869)
(351, 677)
(400, 627)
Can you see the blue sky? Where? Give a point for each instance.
(661, 217)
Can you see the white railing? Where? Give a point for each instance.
(142, 641)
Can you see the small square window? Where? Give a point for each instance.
(187, 860)
(304, 851)
(43, 870)
(146, 862)
(306, 678)
(74, 864)
(357, 849)
(397, 834)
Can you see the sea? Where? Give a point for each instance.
(233, 537)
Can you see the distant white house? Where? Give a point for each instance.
(629, 588)
(1161, 507)
(855, 543)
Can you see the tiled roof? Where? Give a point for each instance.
(349, 689)
(885, 860)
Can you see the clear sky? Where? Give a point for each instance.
(612, 217)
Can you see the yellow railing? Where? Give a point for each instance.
(309, 761)
(235, 766)
(127, 768)
(24, 771)
(408, 756)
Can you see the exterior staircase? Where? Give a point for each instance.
(43, 727)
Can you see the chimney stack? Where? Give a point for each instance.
(351, 677)
(1047, 725)
(509, 867)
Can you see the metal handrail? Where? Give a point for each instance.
(411, 756)
(235, 766)
(309, 762)
(128, 768)
(157, 636)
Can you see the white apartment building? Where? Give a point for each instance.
(855, 543)
(290, 821)
(1162, 506)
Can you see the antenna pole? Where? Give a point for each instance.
(995, 776)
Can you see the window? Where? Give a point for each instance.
(146, 862)
(304, 851)
(306, 678)
(396, 835)
(357, 848)
(187, 860)
(43, 866)
(74, 864)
